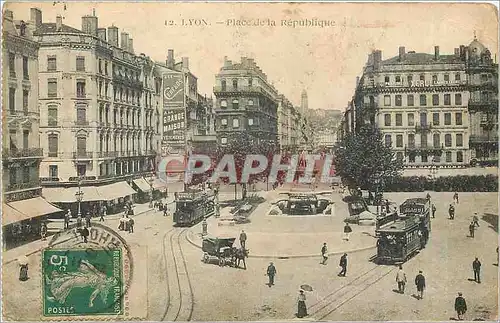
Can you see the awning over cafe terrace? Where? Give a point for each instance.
(115, 190)
(68, 195)
(26, 209)
(142, 185)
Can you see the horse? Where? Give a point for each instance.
(238, 255)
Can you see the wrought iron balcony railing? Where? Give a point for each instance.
(23, 186)
(23, 153)
(83, 155)
(483, 139)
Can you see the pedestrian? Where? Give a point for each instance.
(165, 211)
(401, 280)
(43, 231)
(472, 228)
(88, 217)
(451, 211)
(301, 305)
(23, 268)
(324, 253)
(67, 218)
(131, 223)
(343, 265)
(433, 211)
(79, 221)
(428, 197)
(347, 231)
(271, 272)
(126, 223)
(243, 239)
(122, 223)
(455, 197)
(460, 306)
(420, 283)
(85, 233)
(476, 267)
(475, 219)
(103, 213)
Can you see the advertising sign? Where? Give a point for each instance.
(174, 127)
(173, 89)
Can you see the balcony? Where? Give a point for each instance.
(23, 186)
(82, 123)
(483, 139)
(478, 103)
(150, 153)
(82, 155)
(433, 149)
(423, 128)
(239, 89)
(23, 153)
(107, 154)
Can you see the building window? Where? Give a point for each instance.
(250, 122)
(80, 89)
(223, 104)
(235, 104)
(13, 139)
(423, 140)
(411, 158)
(460, 140)
(12, 64)
(223, 122)
(26, 137)
(236, 123)
(223, 140)
(387, 119)
(410, 80)
(399, 140)
(457, 77)
(422, 77)
(458, 99)
(386, 79)
(435, 99)
(81, 116)
(435, 119)
(100, 66)
(434, 79)
(25, 100)
(12, 99)
(250, 82)
(458, 118)
(436, 140)
(51, 63)
(388, 140)
(235, 84)
(26, 174)
(81, 146)
(105, 68)
(53, 145)
(447, 99)
(223, 85)
(448, 156)
(411, 119)
(26, 74)
(447, 119)
(81, 170)
(387, 100)
(447, 140)
(399, 156)
(398, 100)
(250, 102)
(423, 99)
(410, 99)
(80, 64)
(447, 77)
(399, 119)
(52, 88)
(424, 158)
(52, 117)
(411, 140)
(460, 157)
(53, 171)
(398, 79)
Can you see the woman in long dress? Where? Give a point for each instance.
(301, 310)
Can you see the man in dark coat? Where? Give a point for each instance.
(476, 267)
(324, 253)
(455, 197)
(85, 233)
(460, 306)
(87, 219)
(451, 211)
(343, 265)
(433, 211)
(472, 228)
(271, 272)
(243, 239)
(420, 283)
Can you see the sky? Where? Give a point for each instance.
(322, 60)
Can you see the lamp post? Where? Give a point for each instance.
(151, 180)
(79, 195)
(377, 183)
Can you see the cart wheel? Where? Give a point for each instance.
(206, 258)
(222, 262)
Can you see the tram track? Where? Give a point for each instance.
(180, 301)
(336, 299)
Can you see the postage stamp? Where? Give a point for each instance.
(82, 282)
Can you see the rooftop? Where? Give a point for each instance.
(421, 58)
(50, 27)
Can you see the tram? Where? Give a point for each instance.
(403, 235)
(192, 207)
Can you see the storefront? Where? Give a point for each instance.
(116, 195)
(66, 198)
(143, 189)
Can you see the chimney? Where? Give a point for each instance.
(170, 59)
(124, 41)
(8, 14)
(436, 53)
(462, 51)
(89, 25)
(101, 33)
(227, 62)
(185, 63)
(58, 23)
(457, 52)
(131, 45)
(113, 36)
(377, 59)
(36, 17)
(401, 53)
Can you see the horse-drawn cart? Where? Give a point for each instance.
(222, 249)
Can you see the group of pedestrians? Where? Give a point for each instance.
(126, 224)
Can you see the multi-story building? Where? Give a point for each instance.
(245, 103)
(421, 103)
(23, 207)
(98, 122)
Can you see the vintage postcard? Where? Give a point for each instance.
(253, 161)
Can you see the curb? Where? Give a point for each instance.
(190, 240)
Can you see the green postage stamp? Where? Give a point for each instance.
(82, 282)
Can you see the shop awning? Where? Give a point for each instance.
(115, 190)
(26, 209)
(142, 185)
(67, 195)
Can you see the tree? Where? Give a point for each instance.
(363, 160)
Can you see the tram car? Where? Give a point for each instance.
(192, 207)
(417, 207)
(304, 203)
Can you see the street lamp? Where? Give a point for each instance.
(377, 183)
(151, 180)
(79, 195)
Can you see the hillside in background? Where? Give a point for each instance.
(324, 120)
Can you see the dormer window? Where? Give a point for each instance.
(223, 104)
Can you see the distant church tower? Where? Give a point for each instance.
(303, 102)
